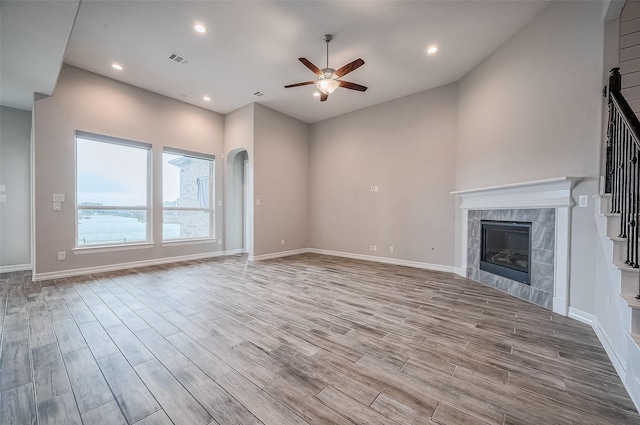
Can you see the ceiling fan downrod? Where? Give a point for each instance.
(327, 38)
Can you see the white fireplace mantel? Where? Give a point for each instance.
(550, 193)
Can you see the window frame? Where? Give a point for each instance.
(148, 243)
(211, 210)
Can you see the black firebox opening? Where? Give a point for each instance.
(506, 249)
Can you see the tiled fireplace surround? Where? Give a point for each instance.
(542, 253)
(547, 205)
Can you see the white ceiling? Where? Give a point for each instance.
(254, 46)
(33, 37)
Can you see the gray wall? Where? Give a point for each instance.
(532, 110)
(281, 182)
(88, 102)
(406, 147)
(15, 214)
(238, 145)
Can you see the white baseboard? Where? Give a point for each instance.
(460, 271)
(234, 251)
(582, 316)
(123, 266)
(278, 254)
(385, 260)
(15, 268)
(617, 360)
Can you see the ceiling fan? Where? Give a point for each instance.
(328, 78)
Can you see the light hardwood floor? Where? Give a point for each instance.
(301, 340)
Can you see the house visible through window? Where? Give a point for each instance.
(187, 195)
(112, 191)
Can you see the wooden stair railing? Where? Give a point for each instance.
(622, 174)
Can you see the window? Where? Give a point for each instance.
(187, 196)
(112, 191)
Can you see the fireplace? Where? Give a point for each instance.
(505, 249)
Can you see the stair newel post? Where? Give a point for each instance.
(614, 83)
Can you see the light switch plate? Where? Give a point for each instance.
(58, 197)
(3, 188)
(3, 198)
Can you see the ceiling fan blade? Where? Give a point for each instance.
(311, 66)
(352, 86)
(306, 83)
(348, 68)
(323, 97)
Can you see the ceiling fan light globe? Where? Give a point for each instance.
(327, 86)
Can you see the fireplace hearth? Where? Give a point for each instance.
(506, 249)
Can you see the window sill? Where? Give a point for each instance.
(112, 248)
(179, 242)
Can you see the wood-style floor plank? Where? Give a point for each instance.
(50, 374)
(176, 401)
(307, 339)
(60, 410)
(17, 406)
(261, 404)
(224, 408)
(107, 414)
(88, 384)
(132, 395)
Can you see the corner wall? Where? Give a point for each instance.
(88, 102)
(532, 111)
(405, 147)
(281, 183)
(15, 175)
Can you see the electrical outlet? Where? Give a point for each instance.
(391, 248)
(219, 241)
(3, 188)
(3, 198)
(62, 255)
(375, 188)
(375, 247)
(258, 202)
(57, 206)
(219, 203)
(281, 241)
(370, 247)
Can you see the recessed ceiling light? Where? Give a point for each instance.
(206, 98)
(431, 50)
(316, 94)
(200, 28)
(116, 66)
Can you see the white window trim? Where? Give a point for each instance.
(194, 241)
(92, 249)
(84, 249)
(210, 210)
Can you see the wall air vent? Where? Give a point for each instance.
(259, 94)
(176, 57)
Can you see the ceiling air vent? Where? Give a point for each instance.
(259, 94)
(179, 58)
